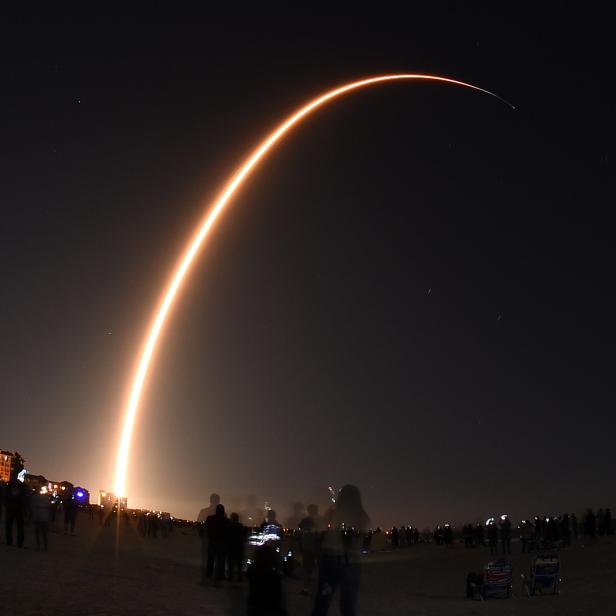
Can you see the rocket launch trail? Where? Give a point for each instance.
(236, 181)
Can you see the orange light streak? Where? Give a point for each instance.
(197, 241)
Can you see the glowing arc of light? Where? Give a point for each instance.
(207, 223)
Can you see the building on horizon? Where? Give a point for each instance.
(36, 482)
(9, 461)
(109, 499)
(6, 464)
(58, 488)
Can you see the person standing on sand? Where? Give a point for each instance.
(309, 527)
(206, 512)
(526, 535)
(565, 529)
(16, 505)
(467, 531)
(41, 513)
(574, 526)
(607, 521)
(447, 535)
(217, 529)
(236, 544)
(339, 563)
(409, 536)
(202, 516)
(395, 537)
(69, 507)
(265, 592)
(492, 537)
(505, 533)
(600, 522)
(590, 524)
(478, 535)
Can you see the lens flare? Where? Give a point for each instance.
(235, 183)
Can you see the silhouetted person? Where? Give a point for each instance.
(478, 534)
(153, 525)
(69, 507)
(467, 535)
(16, 505)
(554, 529)
(206, 512)
(492, 532)
(607, 521)
(447, 535)
(395, 537)
(601, 522)
(142, 523)
(526, 535)
(41, 511)
(104, 516)
(309, 527)
(539, 525)
(217, 529)
(574, 526)
(409, 535)
(401, 536)
(236, 543)
(377, 540)
(590, 524)
(265, 583)
(505, 533)
(551, 532)
(339, 564)
(202, 516)
(165, 525)
(110, 513)
(53, 512)
(565, 529)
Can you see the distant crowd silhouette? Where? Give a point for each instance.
(324, 552)
(540, 532)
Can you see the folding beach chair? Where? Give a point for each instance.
(495, 582)
(497, 579)
(544, 577)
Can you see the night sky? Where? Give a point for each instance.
(415, 293)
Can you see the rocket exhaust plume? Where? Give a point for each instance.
(195, 244)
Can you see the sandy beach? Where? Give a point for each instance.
(100, 572)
